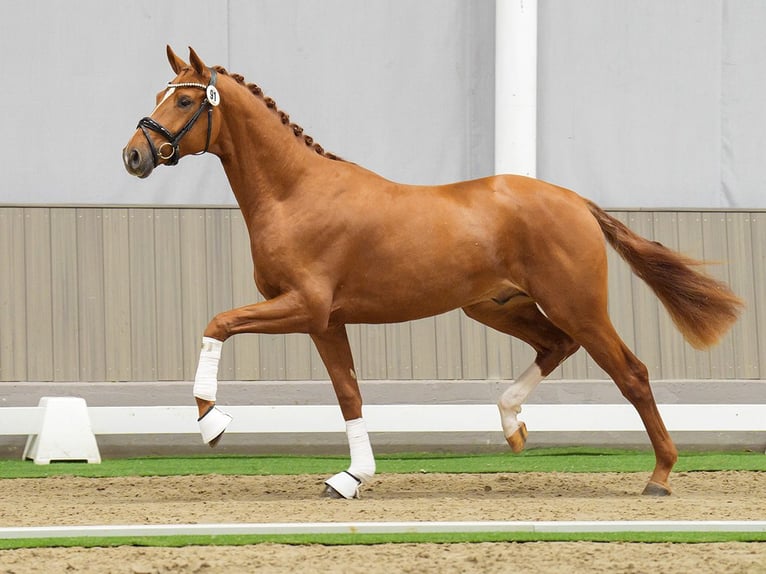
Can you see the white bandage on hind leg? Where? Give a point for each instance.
(362, 459)
(206, 379)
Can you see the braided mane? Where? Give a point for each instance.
(285, 119)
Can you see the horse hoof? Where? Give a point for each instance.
(215, 441)
(330, 492)
(518, 439)
(656, 489)
(344, 485)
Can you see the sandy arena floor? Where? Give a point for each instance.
(527, 496)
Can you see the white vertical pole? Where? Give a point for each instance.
(516, 87)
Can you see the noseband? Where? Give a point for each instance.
(212, 99)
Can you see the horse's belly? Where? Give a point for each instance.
(388, 302)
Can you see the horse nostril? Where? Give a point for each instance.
(134, 158)
(137, 162)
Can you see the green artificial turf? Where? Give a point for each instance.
(535, 460)
(394, 538)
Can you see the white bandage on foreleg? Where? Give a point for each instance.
(511, 400)
(206, 379)
(362, 459)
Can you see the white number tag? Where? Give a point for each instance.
(213, 96)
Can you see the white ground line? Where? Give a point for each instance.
(272, 528)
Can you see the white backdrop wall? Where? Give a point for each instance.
(404, 88)
(655, 104)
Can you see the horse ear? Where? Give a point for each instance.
(196, 62)
(175, 62)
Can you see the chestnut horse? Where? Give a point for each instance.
(334, 243)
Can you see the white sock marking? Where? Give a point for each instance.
(511, 400)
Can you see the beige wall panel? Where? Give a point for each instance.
(271, 357)
(13, 335)
(424, 359)
(39, 301)
(758, 305)
(473, 343)
(448, 346)
(170, 355)
(740, 267)
(499, 356)
(399, 351)
(117, 311)
(143, 305)
(297, 357)
(371, 357)
(64, 288)
(318, 370)
(90, 294)
(194, 283)
(575, 367)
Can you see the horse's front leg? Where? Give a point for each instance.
(335, 351)
(287, 313)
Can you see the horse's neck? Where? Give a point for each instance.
(263, 160)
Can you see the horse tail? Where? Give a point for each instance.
(702, 308)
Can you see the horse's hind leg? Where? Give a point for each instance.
(585, 317)
(521, 318)
(632, 378)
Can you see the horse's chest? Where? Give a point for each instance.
(274, 268)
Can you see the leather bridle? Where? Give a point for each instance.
(212, 99)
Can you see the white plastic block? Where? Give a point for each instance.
(65, 433)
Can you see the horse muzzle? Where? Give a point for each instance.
(138, 161)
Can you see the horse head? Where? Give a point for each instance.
(183, 122)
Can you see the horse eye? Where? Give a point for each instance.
(184, 102)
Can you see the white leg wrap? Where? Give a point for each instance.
(206, 379)
(511, 400)
(362, 467)
(362, 459)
